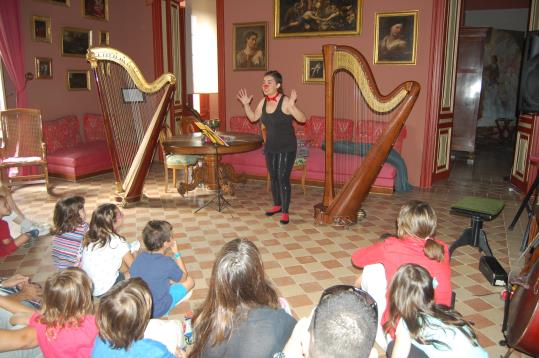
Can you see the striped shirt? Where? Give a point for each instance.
(67, 247)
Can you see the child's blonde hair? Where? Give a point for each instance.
(67, 299)
(102, 225)
(418, 219)
(67, 214)
(124, 312)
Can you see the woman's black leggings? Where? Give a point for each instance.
(279, 168)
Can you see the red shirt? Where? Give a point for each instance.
(6, 249)
(394, 252)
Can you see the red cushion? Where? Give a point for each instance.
(94, 128)
(82, 155)
(62, 133)
(243, 124)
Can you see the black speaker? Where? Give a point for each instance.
(529, 78)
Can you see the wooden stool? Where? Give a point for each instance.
(479, 209)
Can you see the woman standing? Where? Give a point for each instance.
(277, 112)
(240, 317)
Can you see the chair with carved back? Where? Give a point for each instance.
(175, 161)
(23, 153)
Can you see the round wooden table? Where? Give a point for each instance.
(197, 144)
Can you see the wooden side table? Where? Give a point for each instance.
(298, 165)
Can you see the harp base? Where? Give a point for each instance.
(124, 202)
(322, 217)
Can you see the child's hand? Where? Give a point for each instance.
(15, 280)
(31, 291)
(173, 246)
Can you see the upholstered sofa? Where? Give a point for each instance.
(312, 133)
(74, 154)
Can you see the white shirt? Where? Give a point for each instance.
(102, 264)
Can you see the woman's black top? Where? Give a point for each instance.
(280, 136)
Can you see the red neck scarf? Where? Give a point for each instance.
(274, 98)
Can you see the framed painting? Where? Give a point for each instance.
(41, 28)
(104, 38)
(95, 9)
(395, 38)
(66, 3)
(43, 68)
(250, 46)
(78, 80)
(317, 17)
(75, 41)
(313, 69)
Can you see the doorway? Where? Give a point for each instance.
(490, 46)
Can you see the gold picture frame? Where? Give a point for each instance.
(250, 50)
(78, 80)
(313, 69)
(41, 29)
(43, 68)
(95, 9)
(75, 41)
(395, 37)
(103, 38)
(294, 18)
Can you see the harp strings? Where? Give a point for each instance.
(129, 120)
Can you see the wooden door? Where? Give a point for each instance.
(468, 88)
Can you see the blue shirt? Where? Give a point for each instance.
(144, 348)
(157, 270)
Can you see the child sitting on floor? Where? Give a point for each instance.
(65, 327)
(122, 317)
(9, 245)
(106, 256)
(69, 230)
(158, 269)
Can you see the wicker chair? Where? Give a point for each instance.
(23, 149)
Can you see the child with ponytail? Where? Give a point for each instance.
(415, 243)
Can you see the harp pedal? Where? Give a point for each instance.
(361, 214)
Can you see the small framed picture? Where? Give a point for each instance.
(103, 38)
(250, 46)
(43, 68)
(75, 42)
(78, 80)
(95, 9)
(41, 28)
(313, 69)
(61, 2)
(395, 38)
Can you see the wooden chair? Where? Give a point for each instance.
(175, 161)
(23, 148)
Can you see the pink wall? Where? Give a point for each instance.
(286, 56)
(130, 29)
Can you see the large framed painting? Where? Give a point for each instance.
(395, 39)
(250, 46)
(41, 28)
(95, 9)
(313, 69)
(78, 80)
(317, 17)
(75, 41)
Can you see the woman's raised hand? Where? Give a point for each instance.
(293, 97)
(243, 97)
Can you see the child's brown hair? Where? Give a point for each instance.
(67, 299)
(156, 233)
(418, 219)
(124, 312)
(102, 225)
(67, 214)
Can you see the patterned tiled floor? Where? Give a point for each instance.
(300, 258)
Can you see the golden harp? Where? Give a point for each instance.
(351, 92)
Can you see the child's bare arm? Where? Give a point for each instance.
(20, 319)
(13, 306)
(11, 340)
(186, 280)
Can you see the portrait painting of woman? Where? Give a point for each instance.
(396, 35)
(250, 50)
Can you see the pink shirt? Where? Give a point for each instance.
(69, 342)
